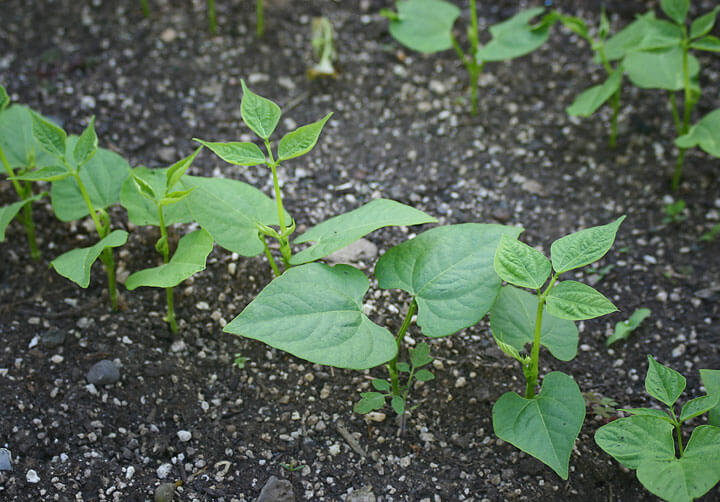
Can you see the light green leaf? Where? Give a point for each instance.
(102, 176)
(175, 197)
(239, 154)
(576, 25)
(424, 25)
(512, 320)
(49, 173)
(17, 141)
(449, 271)
(7, 213)
(675, 9)
(315, 312)
(259, 114)
(584, 247)
(711, 381)
(660, 34)
(628, 38)
(369, 401)
(179, 168)
(630, 440)
(593, 98)
(381, 385)
(4, 99)
(660, 69)
(547, 425)
(344, 229)
(420, 355)
(705, 134)
(86, 145)
(698, 406)
(229, 210)
(188, 259)
(708, 43)
(301, 140)
(577, 301)
(663, 383)
(76, 264)
(689, 477)
(397, 403)
(506, 348)
(514, 37)
(649, 412)
(424, 375)
(141, 210)
(50, 137)
(144, 187)
(519, 264)
(702, 25)
(623, 329)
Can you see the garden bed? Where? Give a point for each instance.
(400, 130)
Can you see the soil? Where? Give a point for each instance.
(401, 130)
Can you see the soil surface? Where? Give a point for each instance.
(401, 130)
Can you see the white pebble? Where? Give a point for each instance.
(184, 436)
(32, 476)
(164, 470)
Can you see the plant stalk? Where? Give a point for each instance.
(24, 192)
(392, 365)
(531, 375)
(165, 251)
(285, 250)
(687, 110)
(211, 16)
(259, 18)
(269, 256)
(145, 8)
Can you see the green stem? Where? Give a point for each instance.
(285, 250)
(392, 365)
(165, 250)
(211, 16)
(675, 114)
(687, 109)
(23, 192)
(259, 18)
(269, 256)
(615, 103)
(678, 431)
(532, 374)
(145, 8)
(11, 174)
(473, 35)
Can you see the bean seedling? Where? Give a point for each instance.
(545, 425)
(644, 442)
(623, 329)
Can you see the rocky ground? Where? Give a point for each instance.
(178, 410)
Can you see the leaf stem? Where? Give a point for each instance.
(531, 374)
(269, 256)
(392, 365)
(284, 241)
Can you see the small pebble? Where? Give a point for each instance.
(52, 338)
(103, 373)
(5, 460)
(184, 436)
(165, 492)
(164, 470)
(32, 476)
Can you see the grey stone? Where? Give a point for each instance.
(103, 373)
(276, 490)
(167, 155)
(361, 249)
(5, 460)
(52, 338)
(165, 492)
(364, 494)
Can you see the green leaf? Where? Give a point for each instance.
(143, 211)
(17, 141)
(102, 176)
(449, 271)
(663, 383)
(424, 25)
(623, 329)
(143, 186)
(512, 321)
(593, 98)
(660, 35)
(239, 154)
(584, 247)
(403, 367)
(189, 259)
(711, 381)
(676, 9)
(369, 401)
(698, 406)
(660, 69)
(7, 213)
(50, 137)
(628, 38)
(577, 301)
(76, 264)
(576, 25)
(301, 140)
(175, 197)
(381, 385)
(649, 412)
(420, 355)
(689, 477)
(547, 425)
(315, 312)
(708, 43)
(229, 210)
(178, 169)
(398, 405)
(702, 25)
(514, 37)
(86, 145)
(49, 173)
(506, 348)
(259, 114)
(424, 375)
(519, 264)
(630, 440)
(4, 99)
(704, 134)
(344, 229)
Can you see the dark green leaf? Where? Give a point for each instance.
(143, 186)
(86, 145)
(711, 381)
(381, 385)
(584, 247)
(301, 140)
(143, 211)
(239, 154)
(76, 264)
(259, 114)
(663, 383)
(420, 355)
(369, 401)
(4, 99)
(577, 301)
(424, 375)
(398, 405)
(708, 43)
(698, 406)
(630, 440)
(576, 25)
(403, 367)
(50, 137)
(703, 134)
(520, 264)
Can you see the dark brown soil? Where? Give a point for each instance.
(400, 130)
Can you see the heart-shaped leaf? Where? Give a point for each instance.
(344, 229)
(703, 134)
(711, 381)
(17, 141)
(188, 259)
(663, 383)
(7, 213)
(449, 271)
(259, 114)
(301, 140)
(239, 154)
(547, 425)
(629, 440)
(87, 144)
(50, 137)
(521, 265)
(315, 312)
(76, 264)
(593, 98)
(584, 247)
(424, 25)
(660, 69)
(515, 37)
(512, 320)
(577, 301)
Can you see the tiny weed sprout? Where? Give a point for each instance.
(664, 464)
(602, 406)
(85, 181)
(427, 26)
(624, 329)
(710, 234)
(545, 425)
(152, 197)
(19, 153)
(674, 212)
(323, 48)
